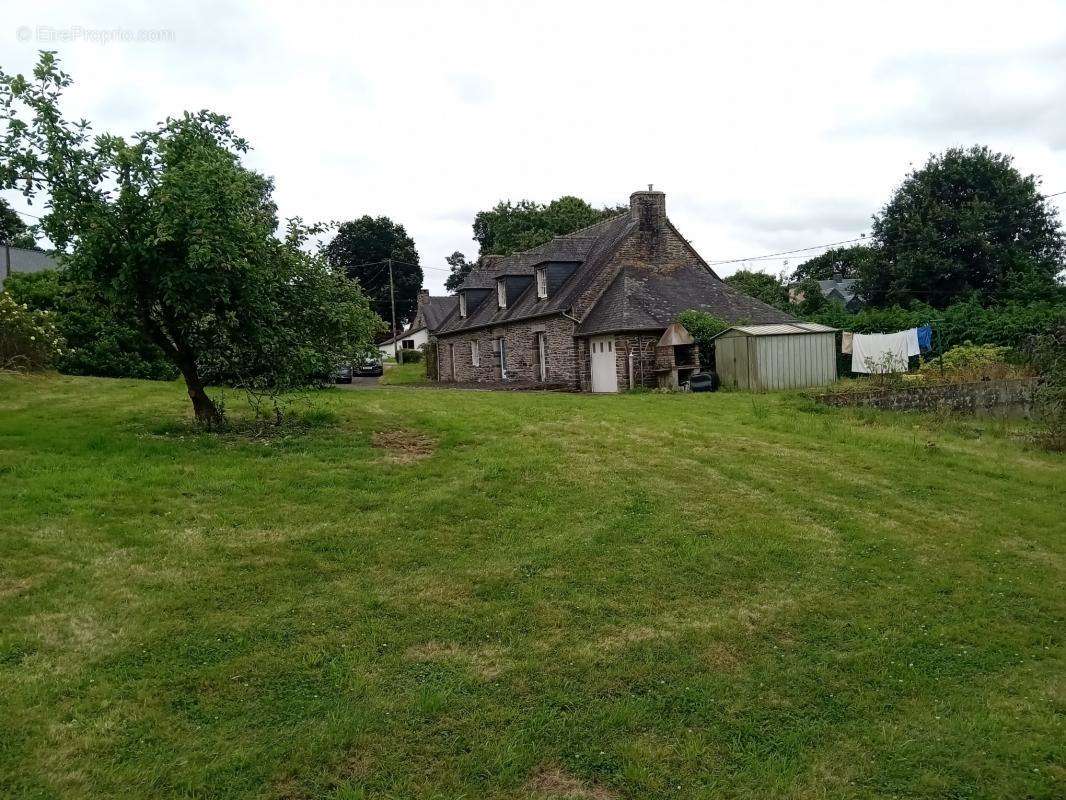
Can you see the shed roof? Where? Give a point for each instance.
(781, 329)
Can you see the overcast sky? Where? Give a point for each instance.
(770, 126)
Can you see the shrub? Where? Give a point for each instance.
(97, 341)
(703, 327)
(412, 356)
(29, 339)
(1049, 355)
(972, 362)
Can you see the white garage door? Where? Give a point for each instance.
(604, 373)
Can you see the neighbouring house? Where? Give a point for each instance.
(432, 313)
(23, 259)
(837, 289)
(591, 310)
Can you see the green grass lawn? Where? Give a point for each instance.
(448, 594)
(404, 374)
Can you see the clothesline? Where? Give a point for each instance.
(887, 352)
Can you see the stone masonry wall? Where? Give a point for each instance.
(643, 349)
(665, 249)
(990, 397)
(519, 337)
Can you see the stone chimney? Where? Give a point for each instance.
(423, 297)
(649, 209)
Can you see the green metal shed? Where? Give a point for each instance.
(792, 355)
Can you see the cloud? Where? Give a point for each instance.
(966, 97)
(473, 89)
(770, 125)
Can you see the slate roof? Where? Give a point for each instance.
(641, 297)
(437, 309)
(644, 298)
(592, 246)
(435, 312)
(24, 259)
(844, 287)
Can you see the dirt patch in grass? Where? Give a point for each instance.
(404, 446)
(721, 657)
(628, 636)
(555, 782)
(485, 663)
(13, 588)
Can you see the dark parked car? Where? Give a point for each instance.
(369, 367)
(343, 374)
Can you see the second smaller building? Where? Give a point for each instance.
(761, 358)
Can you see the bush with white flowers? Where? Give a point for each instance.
(29, 339)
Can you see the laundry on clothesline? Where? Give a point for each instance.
(925, 338)
(845, 341)
(883, 352)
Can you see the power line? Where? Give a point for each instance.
(787, 252)
(765, 257)
(777, 256)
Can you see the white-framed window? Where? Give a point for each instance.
(408, 344)
(501, 294)
(542, 283)
(540, 356)
(462, 304)
(475, 353)
(500, 348)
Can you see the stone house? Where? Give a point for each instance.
(586, 311)
(430, 316)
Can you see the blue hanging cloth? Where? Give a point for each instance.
(925, 338)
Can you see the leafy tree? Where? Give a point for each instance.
(770, 289)
(511, 227)
(13, 230)
(966, 223)
(361, 248)
(703, 327)
(813, 301)
(171, 231)
(843, 262)
(460, 268)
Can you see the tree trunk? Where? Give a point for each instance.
(207, 413)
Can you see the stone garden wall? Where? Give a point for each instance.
(994, 397)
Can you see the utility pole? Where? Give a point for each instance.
(392, 297)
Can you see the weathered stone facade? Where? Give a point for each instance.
(519, 338)
(642, 348)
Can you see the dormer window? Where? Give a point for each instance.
(542, 284)
(462, 304)
(501, 294)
